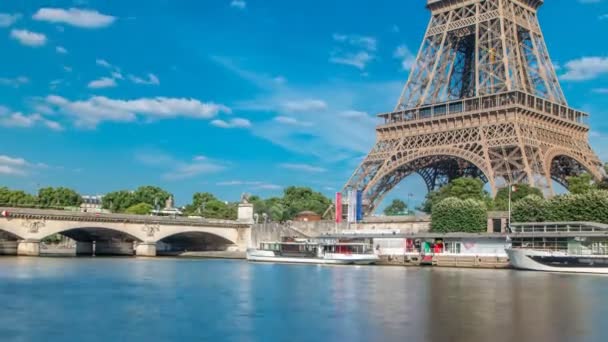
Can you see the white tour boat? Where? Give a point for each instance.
(572, 247)
(314, 252)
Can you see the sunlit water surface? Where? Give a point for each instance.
(128, 299)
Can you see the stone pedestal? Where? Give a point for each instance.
(245, 213)
(28, 248)
(84, 248)
(146, 250)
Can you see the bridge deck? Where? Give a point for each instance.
(61, 215)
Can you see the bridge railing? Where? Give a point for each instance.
(29, 213)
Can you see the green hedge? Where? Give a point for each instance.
(590, 206)
(456, 215)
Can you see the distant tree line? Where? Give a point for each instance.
(46, 198)
(144, 199)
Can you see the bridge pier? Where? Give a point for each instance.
(28, 248)
(146, 249)
(8, 247)
(109, 247)
(84, 248)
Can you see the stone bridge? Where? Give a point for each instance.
(117, 234)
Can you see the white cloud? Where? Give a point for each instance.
(67, 68)
(174, 169)
(585, 68)
(89, 113)
(233, 123)
(61, 50)
(11, 166)
(103, 63)
(7, 19)
(104, 82)
(304, 105)
(331, 132)
(20, 120)
(303, 168)
(288, 120)
(364, 42)
(600, 90)
(358, 60)
(15, 166)
(14, 82)
(240, 4)
(408, 59)
(254, 185)
(89, 19)
(152, 80)
(191, 170)
(116, 75)
(353, 114)
(28, 38)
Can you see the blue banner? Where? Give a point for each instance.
(359, 205)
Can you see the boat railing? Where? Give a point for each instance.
(559, 227)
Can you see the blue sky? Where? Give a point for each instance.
(230, 96)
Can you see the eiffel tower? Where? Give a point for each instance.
(482, 100)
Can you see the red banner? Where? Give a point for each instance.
(338, 207)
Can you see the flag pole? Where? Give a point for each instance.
(509, 223)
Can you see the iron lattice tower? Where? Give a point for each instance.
(482, 100)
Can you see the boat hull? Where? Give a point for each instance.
(534, 260)
(263, 256)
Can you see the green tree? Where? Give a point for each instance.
(501, 202)
(298, 199)
(457, 215)
(118, 201)
(10, 197)
(152, 195)
(591, 206)
(199, 201)
(461, 188)
(139, 209)
(58, 197)
(396, 207)
(531, 208)
(208, 206)
(580, 184)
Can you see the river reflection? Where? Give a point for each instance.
(105, 299)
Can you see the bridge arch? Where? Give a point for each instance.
(192, 241)
(12, 229)
(95, 233)
(424, 162)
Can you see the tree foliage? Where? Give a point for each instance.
(119, 201)
(501, 202)
(580, 184)
(461, 188)
(10, 197)
(207, 205)
(294, 200)
(396, 207)
(457, 215)
(531, 208)
(58, 197)
(139, 209)
(591, 206)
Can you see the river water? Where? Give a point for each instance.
(130, 299)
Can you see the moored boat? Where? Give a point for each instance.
(302, 251)
(577, 247)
